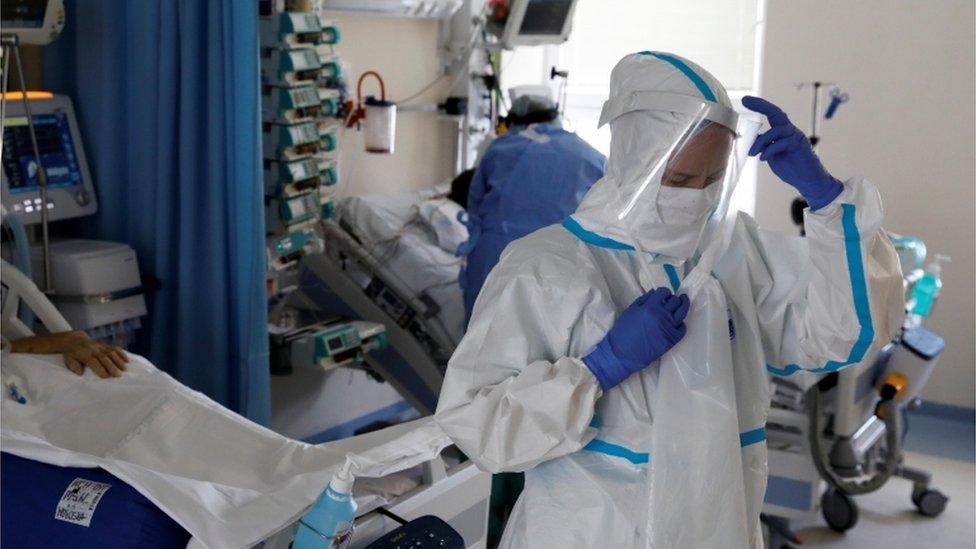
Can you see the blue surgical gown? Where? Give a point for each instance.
(525, 181)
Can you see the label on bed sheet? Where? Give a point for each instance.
(79, 501)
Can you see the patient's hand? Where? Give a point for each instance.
(78, 351)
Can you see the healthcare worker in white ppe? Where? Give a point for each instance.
(620, 359)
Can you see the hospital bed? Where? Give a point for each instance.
(834, 436)
(381, 265)
(441, 484)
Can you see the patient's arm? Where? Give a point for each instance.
(78, 350)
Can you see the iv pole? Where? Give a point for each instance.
(799, 204)
(11, 44)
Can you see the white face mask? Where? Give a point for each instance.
(683, 207)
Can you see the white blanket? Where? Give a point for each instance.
(411, 234)
(228, 481)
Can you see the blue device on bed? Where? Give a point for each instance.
(49, 506)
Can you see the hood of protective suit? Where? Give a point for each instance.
(628, 205)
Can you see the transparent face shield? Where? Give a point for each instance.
(676, 161)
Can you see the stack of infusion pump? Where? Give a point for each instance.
(302, 100)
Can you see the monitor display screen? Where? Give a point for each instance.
(335, 343)
(23, 13)
(545, 17)
(56, 148)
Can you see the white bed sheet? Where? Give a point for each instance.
(390, 226)
(230, 482)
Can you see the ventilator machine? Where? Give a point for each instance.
(839, 435)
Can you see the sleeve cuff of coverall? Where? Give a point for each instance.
(834, 189)
(603, 365)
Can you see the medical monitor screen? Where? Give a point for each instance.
(335, 344)
(56, 148)
(545, 17)
(22, 13)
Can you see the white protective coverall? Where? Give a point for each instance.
(674, 456)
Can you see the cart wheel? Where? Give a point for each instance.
(929, 503)
(839, 510)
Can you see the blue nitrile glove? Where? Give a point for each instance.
(652, 324)
(791, 156)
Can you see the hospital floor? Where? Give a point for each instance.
(887, 517)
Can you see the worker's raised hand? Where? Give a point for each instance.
(80, 352)
(791, 157)
(646, 330)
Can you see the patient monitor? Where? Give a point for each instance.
(69, 189)
(535, 23)
(32, 21)
(95, 284)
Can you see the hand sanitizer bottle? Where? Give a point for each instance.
(328, 522)
(927, 288)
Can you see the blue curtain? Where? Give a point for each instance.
(167, 95)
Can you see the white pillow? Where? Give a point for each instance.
(442, 216)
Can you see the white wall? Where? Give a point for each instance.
(404, 52)
(909, 127)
